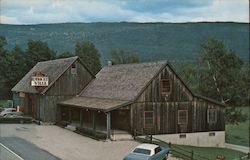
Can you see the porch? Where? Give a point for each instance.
(102, 118)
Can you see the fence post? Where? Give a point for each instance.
(192, 155)
(169, 144)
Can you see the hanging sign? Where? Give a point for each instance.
(39, 81)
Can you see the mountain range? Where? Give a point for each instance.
(151, 41)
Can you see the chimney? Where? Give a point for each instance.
(109, 63)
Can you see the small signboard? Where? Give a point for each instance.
(40, 81)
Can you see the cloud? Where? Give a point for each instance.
(58, 11)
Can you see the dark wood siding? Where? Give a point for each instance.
(67, 86)
(165, 108)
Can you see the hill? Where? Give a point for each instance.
(152, 41)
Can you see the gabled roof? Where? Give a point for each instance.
(52, 69)
(123, 82)
(128, 81)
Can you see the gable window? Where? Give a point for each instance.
(148, 119)
(182, 117)
(73, 69)
(166, 86)
(212, 115)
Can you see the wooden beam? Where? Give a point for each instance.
(94, 120)
(81, 118)
(70, 115)
(108, 117)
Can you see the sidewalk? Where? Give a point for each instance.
(237, 147)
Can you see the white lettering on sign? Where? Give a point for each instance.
(40, 81)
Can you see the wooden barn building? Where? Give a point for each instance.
(139, 99)
(67, 78)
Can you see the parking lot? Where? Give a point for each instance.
(65, 144)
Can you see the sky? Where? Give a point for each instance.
(62, 11)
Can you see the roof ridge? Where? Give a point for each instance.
(58, 59)
(139, 63)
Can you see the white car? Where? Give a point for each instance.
(11, 112)
(148, 152)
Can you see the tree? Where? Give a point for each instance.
(89, 55)
(12, 68)
(122, 57)
(220, 76)
(38, 51)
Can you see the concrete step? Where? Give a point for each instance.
(121, 136)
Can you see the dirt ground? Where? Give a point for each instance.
(67, 145)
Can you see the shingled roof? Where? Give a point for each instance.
(52, 69)
(123, 82)
(100, 104)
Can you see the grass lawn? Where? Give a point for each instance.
(206, 152)
(238, 134)
(211, 152)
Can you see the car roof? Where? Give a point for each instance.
(147, 146)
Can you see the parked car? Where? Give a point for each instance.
(11, 112)
(148, 152)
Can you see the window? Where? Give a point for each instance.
(73, 69)
(158, 149)
(182, 135)
(166, 86)
(182, 117)
(142, 151)
(211, 115)
(148, 119)
(211, 134)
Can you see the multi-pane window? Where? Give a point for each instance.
(211, 115)
(148, 119)
(165, 86)
(182, 117)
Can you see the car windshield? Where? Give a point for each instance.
(142, 151)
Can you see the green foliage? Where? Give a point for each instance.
(152, 41)
(89, 55)
(38, 51)
(221, 77)
(12, 68)
(221, 73)
(122, 57)
(2, 44)
(238, 133)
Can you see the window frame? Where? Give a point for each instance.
(169, 83)
(178, 117)
(215, 115)
(153, 121)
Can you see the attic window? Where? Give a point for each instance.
(73, 69)
(165, 86)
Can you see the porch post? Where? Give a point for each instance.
(70, 115)
(108, 124)
(81, 118)
(94, 120)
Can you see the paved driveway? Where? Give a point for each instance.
(25, 149)
(65, 144)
